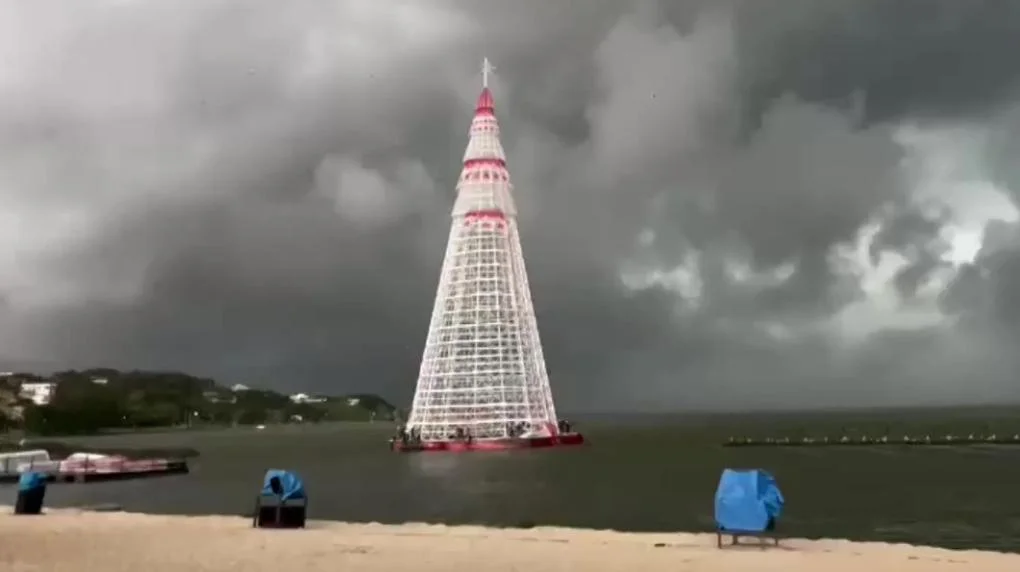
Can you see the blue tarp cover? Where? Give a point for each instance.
(31, 480)
(746, 500)
(293, 486)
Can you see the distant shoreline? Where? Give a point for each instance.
(14, 436)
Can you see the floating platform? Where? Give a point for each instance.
(464, 446)
(90, 470)
(905, 441)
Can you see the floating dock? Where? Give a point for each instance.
(466, 445)
(865, 441)
(86, 467)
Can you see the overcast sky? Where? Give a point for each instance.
(770, 203)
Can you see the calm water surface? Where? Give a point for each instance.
(641, 477)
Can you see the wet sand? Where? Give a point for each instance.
(71, 540)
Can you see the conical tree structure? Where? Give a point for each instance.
(483, 370)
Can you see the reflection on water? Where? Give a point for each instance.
(467, 487)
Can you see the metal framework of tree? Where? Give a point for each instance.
(483, 370)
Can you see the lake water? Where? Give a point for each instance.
(655, 476)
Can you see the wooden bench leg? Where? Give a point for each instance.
(763, 539)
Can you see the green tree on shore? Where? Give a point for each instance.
(103, 399)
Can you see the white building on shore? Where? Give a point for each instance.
(39, 392)
(306, 398)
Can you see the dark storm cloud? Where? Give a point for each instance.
(987, 292)
(914, 235)
(909, 57)
(256, 291)
(262, 193)
(984, 293)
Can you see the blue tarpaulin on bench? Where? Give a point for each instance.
(31, 480)
(292, 486)
(747, 501)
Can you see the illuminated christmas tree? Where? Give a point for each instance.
(483, 374)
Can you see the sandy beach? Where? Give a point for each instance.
(71, 540)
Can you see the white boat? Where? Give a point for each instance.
(20, 461)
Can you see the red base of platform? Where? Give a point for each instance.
(563, 440)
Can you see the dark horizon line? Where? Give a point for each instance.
(709, 411)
